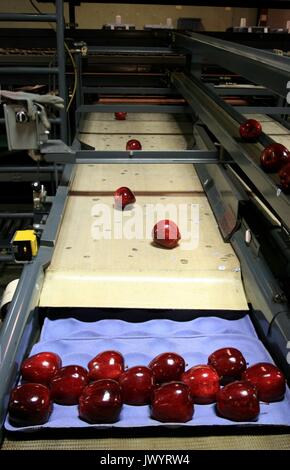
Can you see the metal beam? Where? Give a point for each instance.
(134, 108)
(52, 121)
(29, 70)
(215, 3)
(139, 50)
(128, 90)
(16, 215)
(237, 91)
(6, 258)
(29, 169)
(263, 109)
(127, 157)
(259, 66)
(61, 62)
(38, 18)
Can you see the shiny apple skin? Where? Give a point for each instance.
(250, 130)
(166, 234)
(40, 368)
(284, 175)
(106, 365)
(268, 379)
(203, 382)
(238, 401)
(229, 363)
(67, 384)
(167, 367)
(172, 402)
(273, 157)
(123, 197)
(101, 402)
(133, 144)
(120, 116)
(137, 384)
(30, 405)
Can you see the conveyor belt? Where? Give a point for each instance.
(131, 272)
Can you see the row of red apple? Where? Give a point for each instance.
(274, 158)
(169, 389)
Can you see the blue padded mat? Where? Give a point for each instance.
(77, 342)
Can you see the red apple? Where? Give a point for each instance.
(137, 384)
(40, 368)
(67, 385)
(167, 367)
(250, 130)
(30, 404)
(203, 382)
(120, 116)
(123, 197)
(284, 175)
(101, 402)
(229, 363)
(273, 157)
(106, 365)
(268, 379)
(166, 234)
(172, 402)
(238, 401)
(133, 144)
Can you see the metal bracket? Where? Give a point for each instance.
(23, 133)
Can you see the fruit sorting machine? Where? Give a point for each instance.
(193, 157)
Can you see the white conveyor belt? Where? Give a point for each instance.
(89, 271)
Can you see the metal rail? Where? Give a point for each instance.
(128, 90)
(29, 169)
(131, 157)
(16, 215)
(61, 61)
(133, 108)
(52, 121)
(38, 18)
(262, 67)
(25, 70)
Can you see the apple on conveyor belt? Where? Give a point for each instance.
(166, 234)
(133, 144)
(120, 116)
(250, 130)
(273, 157)
(123, 197)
